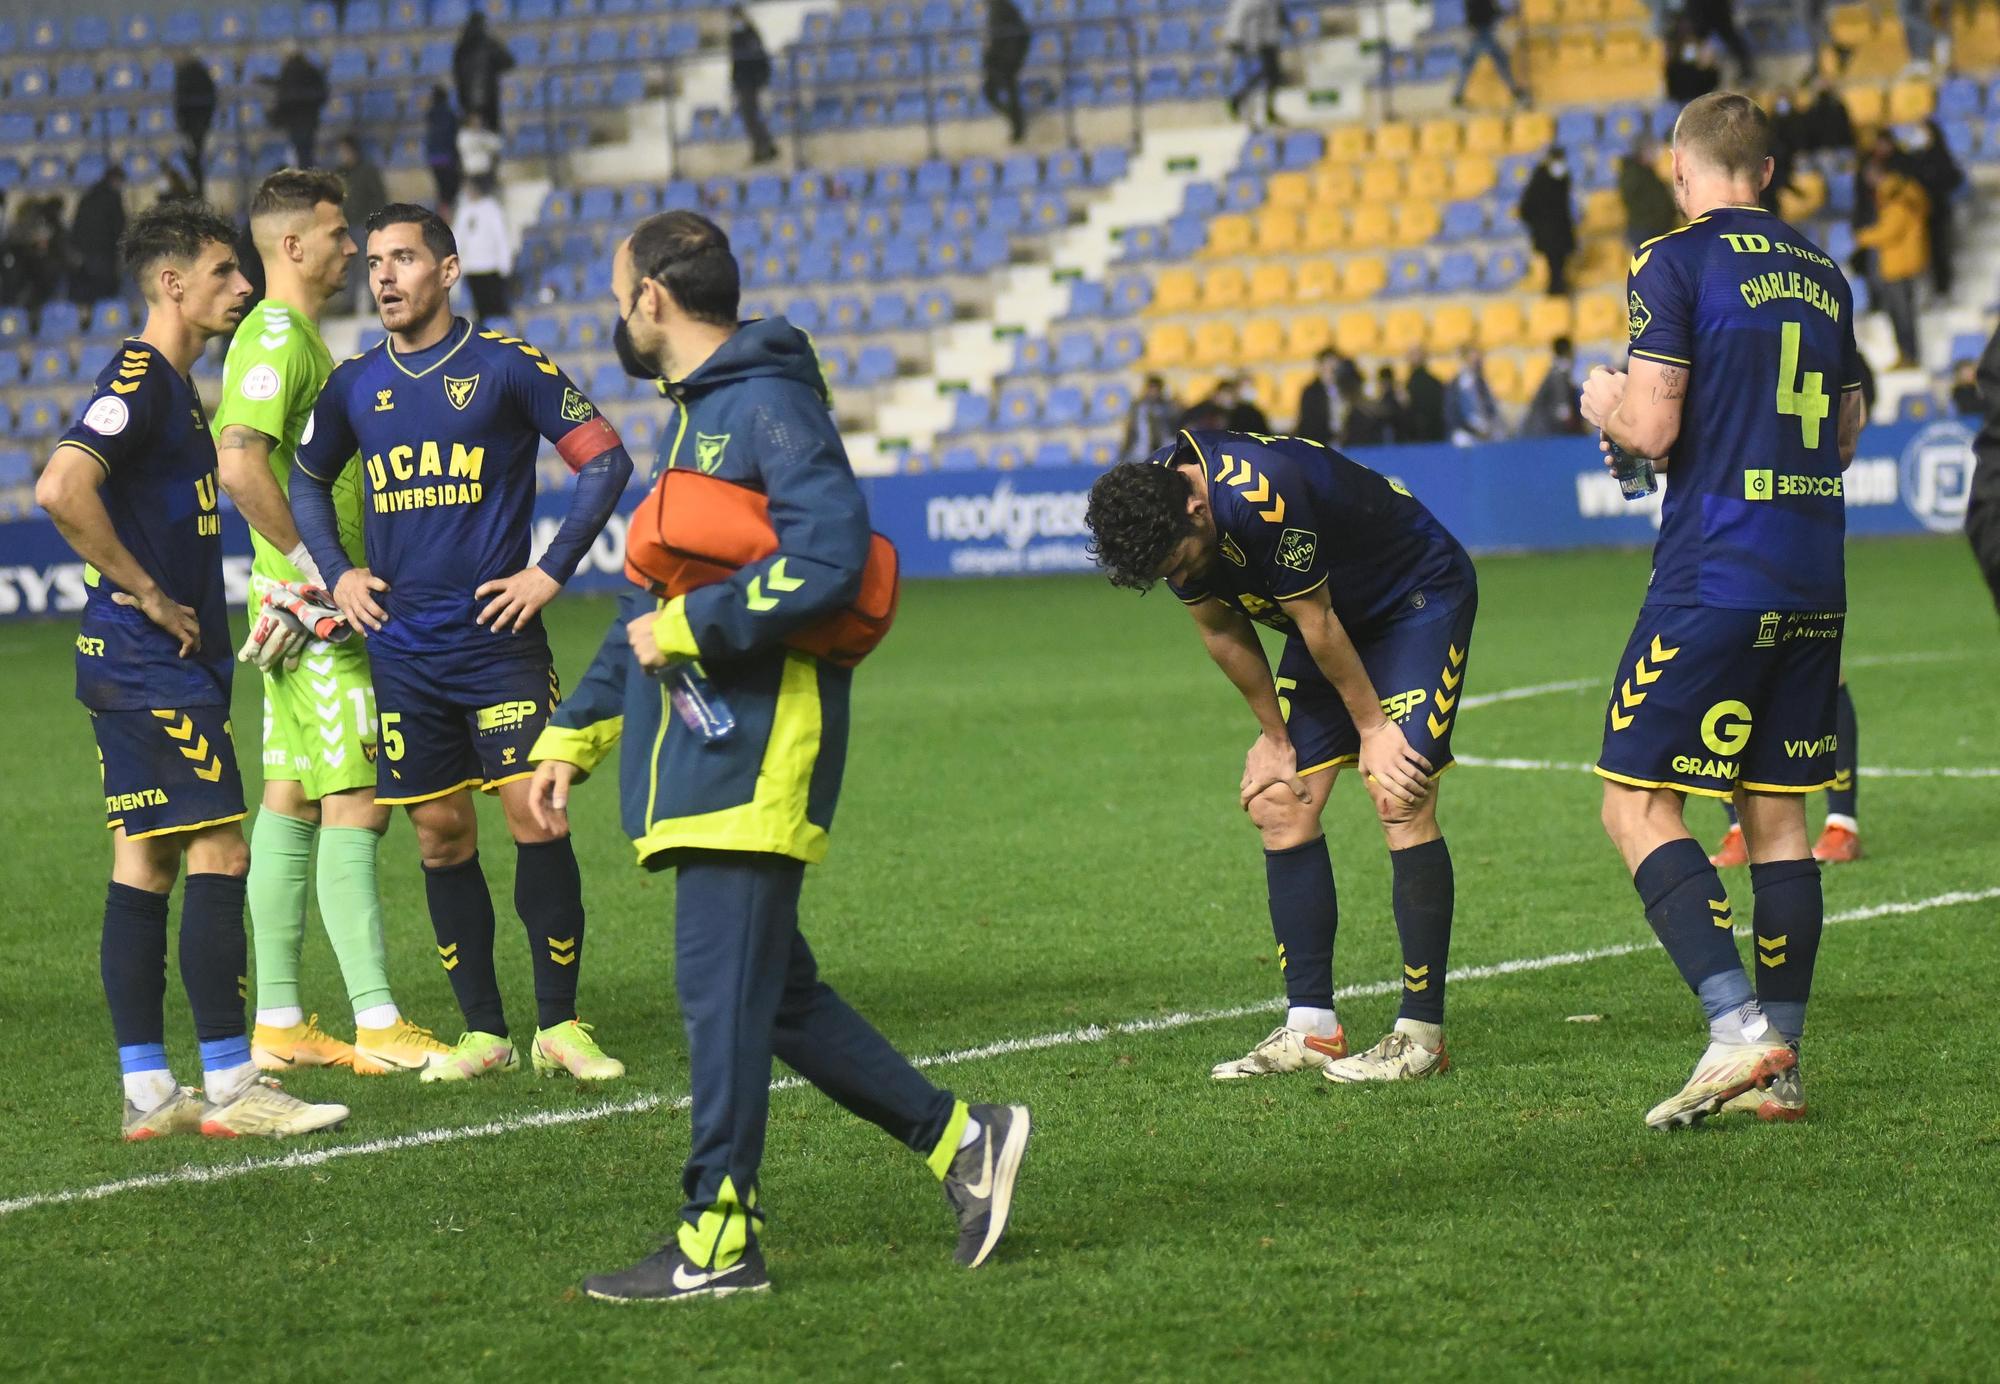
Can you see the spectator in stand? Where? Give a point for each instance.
(477, 63)
(478, 148)
(298, 96)
(31, 262)
(1253, 30)
(1717, 19)
(1938, 173)
(1649, 202)
(1900, 240)
(367, 194)
(441, 147)
(1471, 414)
(1423, 406)
(1376, 418)
(1390, 407)
(749, 74)
(1243, 415)
(93, 238)
(1482, 17)
(1553, 412)
(485, 247)
(1007, 40)
(1545, 209)
(1691, 67)
(1965, 401)
(1149, 421)
(1320, 408)
(194, 114)
(1206, 415)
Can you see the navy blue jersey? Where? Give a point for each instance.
(144, 424)
(1292, 516)
(447, 439)
(1763, 323)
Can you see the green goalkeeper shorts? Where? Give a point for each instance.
(319, 720)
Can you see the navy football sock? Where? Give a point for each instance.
(1689, 910)
(133, 961)
(1790, 915)
(1305, 913)
(1422, 897)
(1846, 788)
(462, 920)
(1729, 811)
(215, 955)
(548, 894)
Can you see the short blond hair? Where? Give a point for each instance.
(1726, 131)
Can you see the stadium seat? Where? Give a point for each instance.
(1549, 318)
(1417, 222)
(1357, 334)
(1394, 139)
(1346, 144)
(1176, 290)
(970, 412)
(1451, 328)
(1372, 228)
(1053, 452)
(1335, 186)
(1325, 227)
(1439, 139)
(1271, 285)
(1075, 353)
(1500, 325)
(1230, 234)
(1277, 231)
(1530, 132)
(1403, 330)
(1507, 380)
(1307, 336)
(875, 364)
(1108, 403)
(960, 458)
(1363, 277)
(1600, 317)
(1167, 346)
(1287, 191)
(1215, 344)
(1381, 181)
(1120, 347)
(1473, 176)
(1317, 281)
(1263, 340)
(1063, 408)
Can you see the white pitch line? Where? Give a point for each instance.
(1473, 761)
(195, 1175)
(1538, 689)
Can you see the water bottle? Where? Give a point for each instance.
(1635, 474)
(697, 703)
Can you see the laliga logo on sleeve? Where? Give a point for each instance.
(1937, 475)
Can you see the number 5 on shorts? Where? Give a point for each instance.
(392, 738)
(1807, 403)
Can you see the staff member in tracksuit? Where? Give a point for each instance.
(742, 817)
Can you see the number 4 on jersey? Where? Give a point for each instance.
(1807, 403)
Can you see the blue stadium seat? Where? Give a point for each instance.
(50, 365)
(1408, 273)
(874, 364)
(39, 415)
(42, 36)
(1032, 356)
(990, 251)
(1130, 294)
(845, 312)
(534, 11)
(609, 381)
(1006, 456)
(959, 459)
(450, 14)
(888, 312)
(1087, 298)
(934, 178)
(1064, 407)
(588, 331)
(89, 33)
(597, 204)
(47, 171)
(318, 20)
(1017, 407)
(1099, 452)
(1120, 348)
(764, 191)
(1917, 408)
(29, 84)
(17, 467)
(62, 125)
(13, 326)
(1505, 269)
(362, 17)
(641, 431)
(123, 76)
(935, 308)
(134, 31)
(1108, 403)
(1457, 272)
(970, 413)
(17, 128)
(348, 66)
(10, 174)
(1076, 352)
(401, 16)
(276, 21)
(1020, 172)
(1577, 129)
(543, 329)
(1464, 220)
(1051, 453)
(1065, 169)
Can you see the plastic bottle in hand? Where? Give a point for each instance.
(1635, 474)
(697, 703)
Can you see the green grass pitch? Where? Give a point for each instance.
(1040, 841)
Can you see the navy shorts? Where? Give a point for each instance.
(1709, 700)
(449, 723)
(1418, 668)
(167, 771)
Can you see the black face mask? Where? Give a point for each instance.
(635, 364)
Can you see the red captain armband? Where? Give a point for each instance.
(693, 530)
(586, 442)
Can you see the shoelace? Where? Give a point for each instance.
(408, 1032)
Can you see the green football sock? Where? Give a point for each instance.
(280, 861)
(351, 907)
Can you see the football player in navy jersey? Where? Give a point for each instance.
(1376, 602)
(132, 486)
(1745, 385)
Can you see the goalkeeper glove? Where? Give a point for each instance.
(290, 616)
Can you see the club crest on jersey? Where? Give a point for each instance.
(576, 408)
(1232, 552)
(384, 400)
(1296, 548)
(460, 391)
(708, 451)
(1639, 316)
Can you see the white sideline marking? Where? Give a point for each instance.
(1474, 761)
(192, 1175)
(1538, 689)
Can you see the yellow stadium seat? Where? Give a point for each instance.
(1394, 139)
(1439, 138)
(1486, 134)
(1850, 25)
(1264, 340)
(1291, 384)
(1804, 197)
(1625, 11)
(1548, 319)
(1530, 132)
(1402, 330)
(1603, 213)
(1325, 228)
(1270, 285)
(1625, 52)
(1428, 178)
(1500, 325)
(1229, 234)
(1308, 336)
(1912, 101)
(1538, 12)
(1264, 391)
(1336, 184)
(1506, 379)
(1176, 290)
(1451, 329)
(1373, 226)
(1215, 344)
(1288, 190)
(1603, 260)
(1382, 181)
(1473, 176)
(1318, 281)
(1864, 105)
(1356, 334)
(1601, 317)
(1583, 11)
(1417, 222)
(1346, 144)
(1277, 231)
(1223, 290)
(1167, 346)
(1364, 277)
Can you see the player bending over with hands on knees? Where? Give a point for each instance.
(1375, 601)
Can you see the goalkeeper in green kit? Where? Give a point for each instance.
(319, 703)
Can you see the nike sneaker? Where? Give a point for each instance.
(980, 1182)
(1733, 853)
(670, 1276)
(398, 1047)
(1284, 1050)
(568, 1047)
(1402, 1056)
(179, 1113)
(1784, 1099)
(1726, 1071)
(474, 1055)
(265, 1109)
(302, 1045)
(1838, 845)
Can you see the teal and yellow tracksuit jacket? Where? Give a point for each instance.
(756, 412)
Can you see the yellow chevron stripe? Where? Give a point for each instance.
(199, 750)
(1451, 679)
(1767, 959)
(1629, 699)
(1416, 987)
(181, 731)
(212, 772)
(125, 388)
(1438, 728)
(1275, 514)
(1258, 493)
(1645, 676)
(1445, 701)
(780, 581)
(1619, 721)
(1455, 654)
(1416, 972)
(1661, 653)
(1773, 943)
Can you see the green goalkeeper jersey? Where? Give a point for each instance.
(270, 378)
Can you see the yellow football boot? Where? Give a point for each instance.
(302, 1045)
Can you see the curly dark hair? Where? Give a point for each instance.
(173, 230)
(1137, 514)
